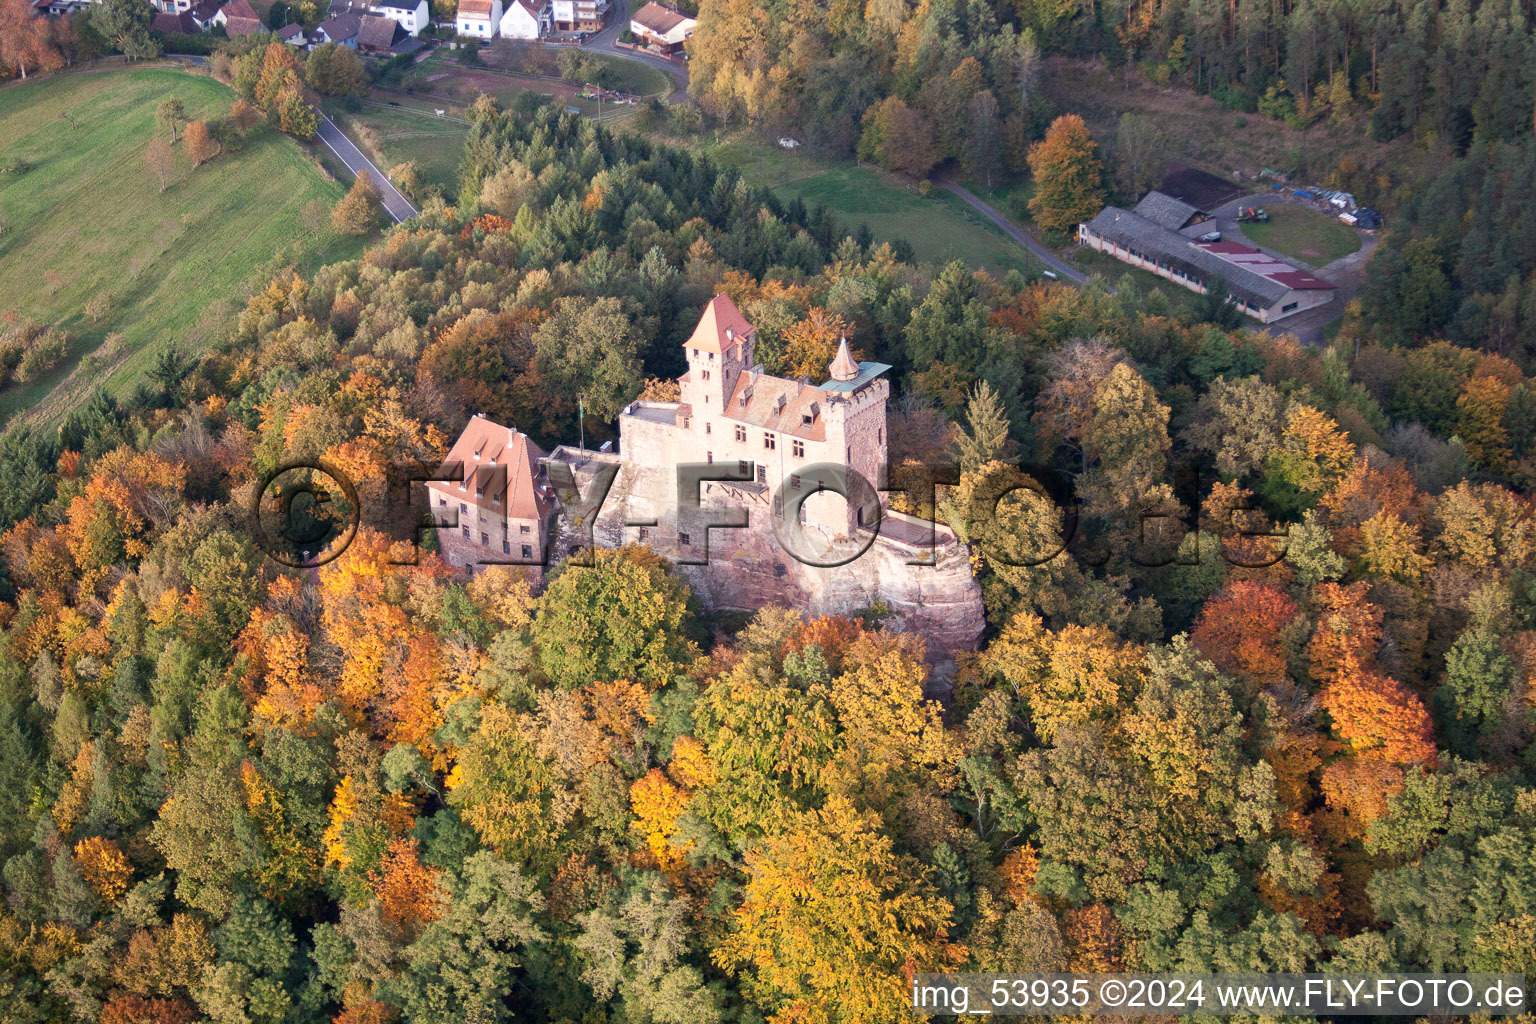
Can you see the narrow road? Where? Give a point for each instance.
(1037, 250)
(395, 204)
(605, 41)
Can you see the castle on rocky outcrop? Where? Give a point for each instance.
(793, 449)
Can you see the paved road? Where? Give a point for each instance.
(395, 204)
(606, 40)
(1039, 251)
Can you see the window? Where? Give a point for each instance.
(794, 481)
(496, 499)
(484, 540)
(1289, 306)
(849, 459)
(506, 548)
(741, 467)
(708, 428)
(880, 435)
(645, 534)
(802, 513)
(762, 474)
(522, 528)
(682, 538)
(463, 509)
(778, 505)
(706, 373)
(465, 531)
(442, 500)
(709, 457)
(769, 441)
(741, 433)
(797, 449)
(527, 551)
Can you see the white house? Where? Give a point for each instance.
(662, 28)
(527, 19)
(411, 15)
(478, 18)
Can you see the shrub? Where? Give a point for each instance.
(43, 356)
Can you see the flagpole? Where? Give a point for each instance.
(581, 424)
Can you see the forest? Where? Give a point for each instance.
(376, 792)
(1445, 73)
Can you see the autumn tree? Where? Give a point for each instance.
(200, 143)
(899, 137)
(811, 344)
(26, 39)
(104, 866)
(358, 211)
(831, 918)
(1242, 629)
(1069, 179)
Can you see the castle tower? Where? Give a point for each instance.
(722, 346)
(856, 395)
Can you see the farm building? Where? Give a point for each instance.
(1262, 286)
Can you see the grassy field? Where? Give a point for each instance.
(939, 227)
(1304, 234)
(176, 265)
(392, 135)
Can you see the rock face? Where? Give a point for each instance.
(749, 568)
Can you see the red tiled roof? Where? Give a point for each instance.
(503, 465)
(756, 400)
(720, 316)
(474, 8)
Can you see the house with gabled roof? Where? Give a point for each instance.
(478, 18)
(341, 28)
(662, 28)
(239, 18)
(527, 19)
(495, 504)
(376, 35)
(411, 15)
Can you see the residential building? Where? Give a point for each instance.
(239, 19)
(662, 28)
(478, 18)
(203, 13)
(730, 411)
(503, 509)
(376, 35)
(1262, 286)
(169, 7)
(342, 28)
(412, 15)
(580, 15)
(527, 19)
(293, 35)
